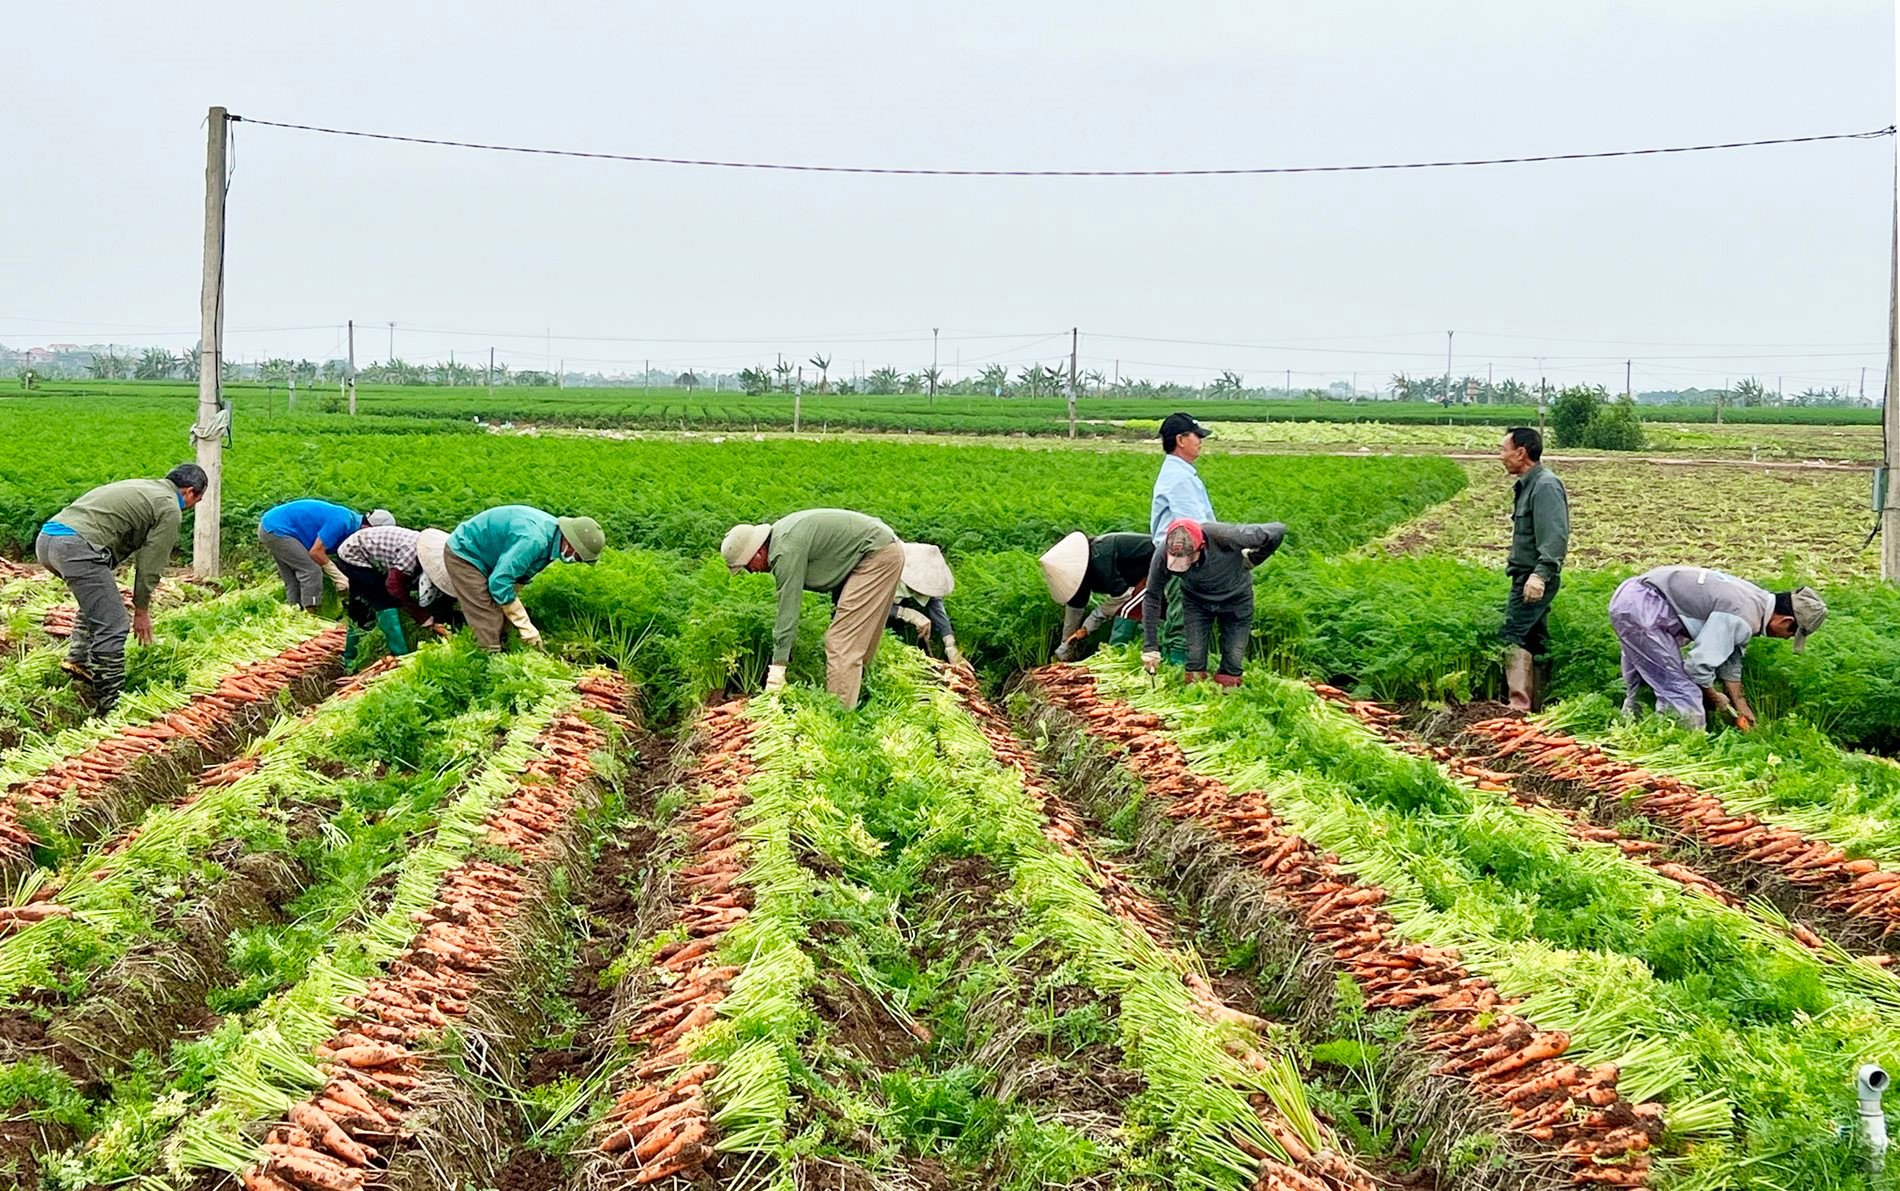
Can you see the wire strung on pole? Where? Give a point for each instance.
(1102, 173)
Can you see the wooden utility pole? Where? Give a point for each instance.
(352, 376)
(1075, 339)
(933, 370)
(1626, 379)
(1448, 336)
(1890, 400)
(209, 431)
(490, 374)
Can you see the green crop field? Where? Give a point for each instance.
(607, 916)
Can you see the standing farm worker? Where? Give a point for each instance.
(497, 550)
(1179, 495)
(919, 601)
(301, 535)
(1540, 537)
(386, 578)
(824, 550)
(87, 542)
(1215, 564)
(1715, 615)
(1079, 567)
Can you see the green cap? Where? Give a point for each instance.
(584, 535)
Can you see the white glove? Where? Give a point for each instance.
(518, 616)
(951, 653)
(916, 620)
(1151, 661)
(774, 678)
(1533, 589)
(336, 577)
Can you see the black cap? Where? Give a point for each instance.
(1175, 425)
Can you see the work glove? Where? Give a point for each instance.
(518, 616)
(1533, 589)
(916, 620)
(774, 678)
(1151, 660)
(1065, 652)
(337, 577)
(951, 653)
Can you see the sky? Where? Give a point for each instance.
(1699, 268)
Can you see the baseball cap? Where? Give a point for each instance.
(1177, 424)
(1183, 543)
(1808, 613)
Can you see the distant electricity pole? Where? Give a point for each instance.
(208, 433)
(490, 375)
(1626, 379)
(1447, 367)
(1890, 414)
(1075, 339)
(392, 341)
(933, 368)
(352, 370)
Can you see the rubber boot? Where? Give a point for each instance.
(1518, 669)
(1197, 676)
(352, 638)
(108, 680)
(1227, 682)
(390, 621)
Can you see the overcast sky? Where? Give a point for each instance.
(1703, 267)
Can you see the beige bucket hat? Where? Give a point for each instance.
(1064, 565)
(742, 542)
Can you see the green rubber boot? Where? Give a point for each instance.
(390, 621)
(352, 638)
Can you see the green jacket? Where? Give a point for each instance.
(510, 544)
(816, 550)
(1540, 524)
(135, 519)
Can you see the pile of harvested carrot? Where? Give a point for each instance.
(1064, 827)
(198, 725)
(662, 1125)
(1859, 891)
(1573, 1115)
(375, 1063)
(1385, 721)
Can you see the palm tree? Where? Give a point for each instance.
(995, 378)
(687, 380)
(932, 377)
(1097, 378)
(784, 371)
(823, 365)
(108, 365)
(1751, 392)
(1401, 386)
(155, 363)
(883, 380)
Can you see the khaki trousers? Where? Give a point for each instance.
(858, 623)
(479, 608)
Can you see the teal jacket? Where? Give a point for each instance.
(510, 544)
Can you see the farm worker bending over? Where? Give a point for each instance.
(1540, 537)
(1079, 567)
(1179, 495)
(1215, 563)
(86, 543)
(386, 577)
(826, 550)
(301, 535)
(1715, 615)
(919, 601)
(497, 550)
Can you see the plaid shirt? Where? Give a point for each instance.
(381, 548)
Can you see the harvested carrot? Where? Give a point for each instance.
(320, 1126)
(375, 1054)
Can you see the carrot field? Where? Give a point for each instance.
(605, 916)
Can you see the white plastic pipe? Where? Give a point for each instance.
(1869, 1082)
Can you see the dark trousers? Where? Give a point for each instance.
(1235, 621)
(100, 629)
(1527, 626)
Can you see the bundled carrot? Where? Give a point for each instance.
(1551, 1105)
(375, 1061)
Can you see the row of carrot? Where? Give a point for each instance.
(1561, 1114)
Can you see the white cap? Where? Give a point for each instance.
(380, 517)
(1064, 565)
(925, 572)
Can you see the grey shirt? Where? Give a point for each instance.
(1223, 572)
(1540, 524)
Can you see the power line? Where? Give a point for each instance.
(913, 171)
